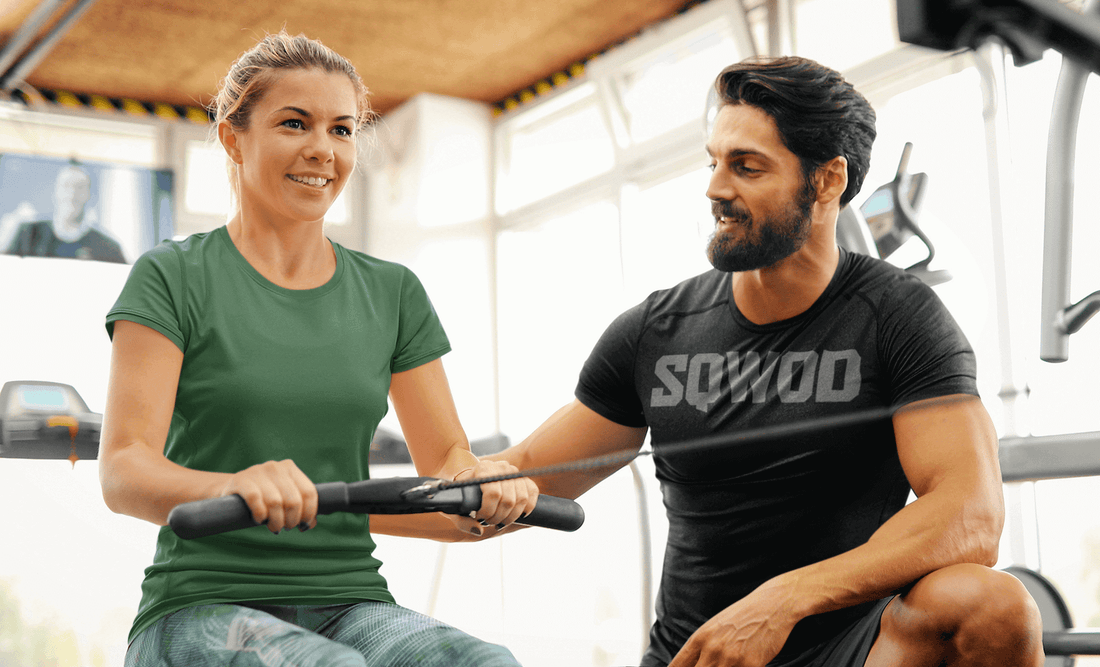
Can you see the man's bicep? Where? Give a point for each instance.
(949, 440)
(574, 433)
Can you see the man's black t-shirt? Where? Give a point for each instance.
(687, 364)
(37, 239)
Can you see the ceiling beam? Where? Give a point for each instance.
(26, 32)
(17, 70)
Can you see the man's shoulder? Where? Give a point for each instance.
(876, 279)
(856, 263)
(663, 307)
(25, 236)
(701, 292)
(35, 229)
(103, 246)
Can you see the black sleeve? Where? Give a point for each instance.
(925, 350)
(606, 383)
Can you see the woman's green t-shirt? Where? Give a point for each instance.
(268, 374)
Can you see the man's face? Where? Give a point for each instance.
(71, 192)
(760, 198)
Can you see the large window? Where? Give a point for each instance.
(845, 33)
(949, 146)
(668, 89)
(78, 137)
(206, 181)
(1069, 546)
(558, 144)
(630, 139)
(666, 224)
(559, 284)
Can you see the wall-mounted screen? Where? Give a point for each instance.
(53, 207)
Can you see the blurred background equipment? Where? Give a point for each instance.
(46, 420)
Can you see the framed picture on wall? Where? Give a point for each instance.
(53, 207)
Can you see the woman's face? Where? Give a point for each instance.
(299, 149)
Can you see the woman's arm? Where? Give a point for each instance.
(135, 476)
(573, 433)
(437, 442)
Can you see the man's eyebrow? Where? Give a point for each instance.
(740, 152)
(303, 112)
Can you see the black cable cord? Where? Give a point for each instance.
(618, 458)
(719, 441)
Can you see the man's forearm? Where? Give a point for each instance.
(936, 531)
(571, 434)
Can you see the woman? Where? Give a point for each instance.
(256, 360)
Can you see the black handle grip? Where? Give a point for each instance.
(212, 516)
(557, 513)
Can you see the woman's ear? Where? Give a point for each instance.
(832, 179)
(229, 138)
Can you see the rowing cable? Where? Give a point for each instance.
(708, 443)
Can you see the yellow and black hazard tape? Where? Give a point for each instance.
(114, 105)
(575, 71)
(541, 87)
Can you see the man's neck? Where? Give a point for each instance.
(70, 229)
(790, 287)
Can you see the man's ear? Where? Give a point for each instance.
(228, 138)
(832, 179)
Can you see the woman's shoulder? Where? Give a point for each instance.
(363, 263)
(181, 249)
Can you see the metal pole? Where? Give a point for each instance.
(26, 32)
(646, 548)
(1058, 229)
(1020, 498)
(38, 52)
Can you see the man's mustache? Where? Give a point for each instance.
(723, 208)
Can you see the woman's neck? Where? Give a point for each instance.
(294, 256)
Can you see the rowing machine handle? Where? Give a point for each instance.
(550, 511)
(212, 516)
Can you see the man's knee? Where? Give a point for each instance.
(974, 608)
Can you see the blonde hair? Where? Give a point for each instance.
(251, 76)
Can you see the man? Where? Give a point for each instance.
(70, 232)
(801, 550)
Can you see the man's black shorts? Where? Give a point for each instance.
(849, 648)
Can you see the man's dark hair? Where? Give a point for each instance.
(818, 114)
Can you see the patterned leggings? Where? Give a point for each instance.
(368, 634)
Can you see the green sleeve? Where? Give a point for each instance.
(153, 295)
(420, 334)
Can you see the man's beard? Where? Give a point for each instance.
(766, 241)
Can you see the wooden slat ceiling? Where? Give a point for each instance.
(175, 51)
